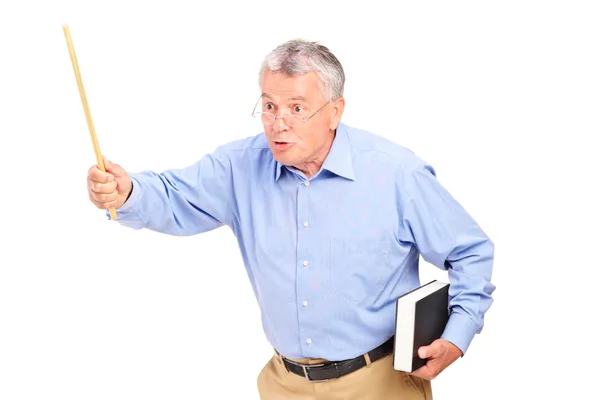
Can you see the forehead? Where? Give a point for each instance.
(282, 87)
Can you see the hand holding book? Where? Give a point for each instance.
(421, 317)
(439, 354)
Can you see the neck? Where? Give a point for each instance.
(310, 168)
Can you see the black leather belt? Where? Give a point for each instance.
(336, 369)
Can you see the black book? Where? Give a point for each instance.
(421, 317)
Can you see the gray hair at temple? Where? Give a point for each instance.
(297, 57)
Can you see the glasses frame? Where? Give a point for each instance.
(304, 120)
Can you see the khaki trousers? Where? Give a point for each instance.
(375, 381)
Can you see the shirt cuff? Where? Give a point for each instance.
(460, 331)
(135, 195)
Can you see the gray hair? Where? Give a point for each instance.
(299, 56)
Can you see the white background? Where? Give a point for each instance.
(502, 98)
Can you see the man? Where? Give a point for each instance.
(330, 222)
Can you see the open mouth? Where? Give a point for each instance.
(279, 145)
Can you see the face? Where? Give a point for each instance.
(304, 145)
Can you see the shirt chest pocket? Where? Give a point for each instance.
(357, 266)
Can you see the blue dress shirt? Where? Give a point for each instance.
(328, 256)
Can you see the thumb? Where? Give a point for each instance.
(113, 168)
(424, 351)
(434, 350)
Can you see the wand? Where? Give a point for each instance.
(86, 108)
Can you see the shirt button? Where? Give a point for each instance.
(308, 341)
(307, 183)
(305, 223)
(305, 303)
(305, 263)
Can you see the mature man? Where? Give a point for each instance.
(330, 222)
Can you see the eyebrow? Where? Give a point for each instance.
(301, 98)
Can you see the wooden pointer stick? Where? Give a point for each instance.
(86, 108)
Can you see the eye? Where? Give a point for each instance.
(269, 106)
(298, 109)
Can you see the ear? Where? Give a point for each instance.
(337, 109)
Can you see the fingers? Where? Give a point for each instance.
(95, 174)
(102, 192)
(426, 372)
(439, 354)
(109, 188)
(103, 201)
(102, 188)
(113, 171)
(104, 196)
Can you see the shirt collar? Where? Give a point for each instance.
(339, 159)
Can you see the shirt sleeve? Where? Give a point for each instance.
(448, 237)
(181, 202)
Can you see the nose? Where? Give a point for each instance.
(279, 125)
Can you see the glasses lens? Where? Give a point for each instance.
(266, 118)
(269, 119)
(292, 120)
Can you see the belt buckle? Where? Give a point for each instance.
(305, 370)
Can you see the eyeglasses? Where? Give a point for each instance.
(289, 119)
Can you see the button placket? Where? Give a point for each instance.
(305, 252)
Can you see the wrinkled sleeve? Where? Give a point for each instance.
(181, 202)
(449, 238)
